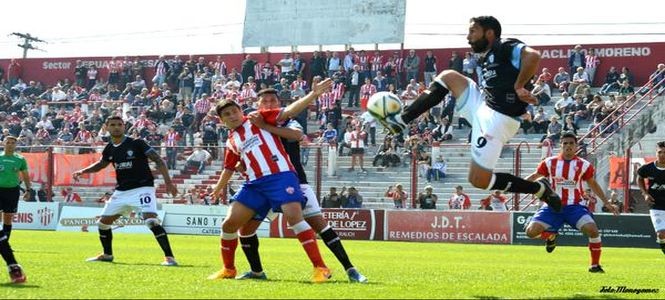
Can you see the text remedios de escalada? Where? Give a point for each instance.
(627, 290)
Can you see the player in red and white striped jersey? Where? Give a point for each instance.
(567, 171)
(272, 182)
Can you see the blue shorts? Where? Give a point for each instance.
(570, 214)
(270, 192)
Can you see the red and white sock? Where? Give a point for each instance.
(307, 238)
(545, 235)
(228, 245)
(595, 249)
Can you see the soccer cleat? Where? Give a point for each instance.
(550, 243)
(169, 261)
(102, 257)
(252, 275)
(662, 248)
(355, 276)
(596, 269)
(394, 124)
(223, 274)
(16, 274)
(549, 196)
(321, 275)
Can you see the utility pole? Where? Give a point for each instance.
(27, 38)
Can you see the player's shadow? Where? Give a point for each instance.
(327, 282)
(19, 286)
(152, 265)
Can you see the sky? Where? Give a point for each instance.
(122, 27)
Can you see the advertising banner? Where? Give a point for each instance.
(76, 218)
(634, 230)
(36, 215)
(36, 167)
(66, 164)
(483, 227)
(350, 224)
(199, 219)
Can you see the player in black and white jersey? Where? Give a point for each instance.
(494, 109)
(291, 134)
(651, 180)
(134, 189)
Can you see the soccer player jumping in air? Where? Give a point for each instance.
(134, 189)
(567, 172)
(493, 109)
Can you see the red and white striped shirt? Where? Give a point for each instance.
(142, 123)
(257, 71)
(202, 106)
(245, 94)
(377, 63)
(221, 67)
(298, 85)
(261, 151)
(567, 176)
(83, 136)
(171, 139)
(592, 61)
(326, 100)
(363, 62)
(399, 64)
(338, 91)
(367, 90)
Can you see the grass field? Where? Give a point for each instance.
(54, 263)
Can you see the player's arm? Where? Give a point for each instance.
(291, 134)
(597, 190)
(645, 190)
(161, 166)
(529, 60)
(94, 168)
(222, 182)
(298, 106)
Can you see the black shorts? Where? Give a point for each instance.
(9, 199)
(359, 151)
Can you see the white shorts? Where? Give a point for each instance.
(311, 208)
(491, 129)
(142, 199)
(657, 219)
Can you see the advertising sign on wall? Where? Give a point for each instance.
(36, 215)
(75, 218)
(352, 224)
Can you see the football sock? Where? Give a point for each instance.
(6, 250)
(545, 235)
(229, 244)
(430, 98)
(250, 246)
(662, 247)
(106, 237)
(334, 243)
(7, 228)
(162, 239)
(307, 239)
(595, 249)
(511, 183)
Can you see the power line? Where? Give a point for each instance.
(193, 28)
(543, 34)
(547, 24)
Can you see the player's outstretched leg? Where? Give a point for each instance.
(162, 239)
(106, 238)
(307, 237)
(550, 243)
(250, 246)
(16, 274)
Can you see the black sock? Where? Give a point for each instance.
(662, 247)
(430, 98)
(6, 250)
(511, 183)
(162, 239)
(250, 246)
(7, 228)
(106, 237)
(334, 243)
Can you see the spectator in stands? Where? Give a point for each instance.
(539, 121)
(104, 198)
(564, 104)
(330, 134)
(14, 72)
(42, 194)
(592, 62)
(657, 79)
(614, 200)
(579, 110)
(380, 82)
(70, 196)
(443, 130)
(627, 75)
(354, 83)
(353, 199)
(626, 89)
(612, 82)
(357, 145)
(459, 199)
(346, 141)
(334, 64)
(576, 59)
(553, 130)
(580, 78)
(569, 124)
(562, 80)
(397, 194)
(427, 200)
(333, 200)
(412, 65)
(456, 62)
(408, 95)
(590, 200)
(545, 76)
(437, 170)
(596, 106)
(199, 158)
(92, 77)
(496, 201)
(317, 65)
(469, 65)
(542, 92)
(386, 155)
(430, 67)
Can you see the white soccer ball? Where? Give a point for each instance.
(384, 105)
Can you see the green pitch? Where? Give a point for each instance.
(55, 266)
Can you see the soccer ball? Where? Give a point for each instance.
(384, 105)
